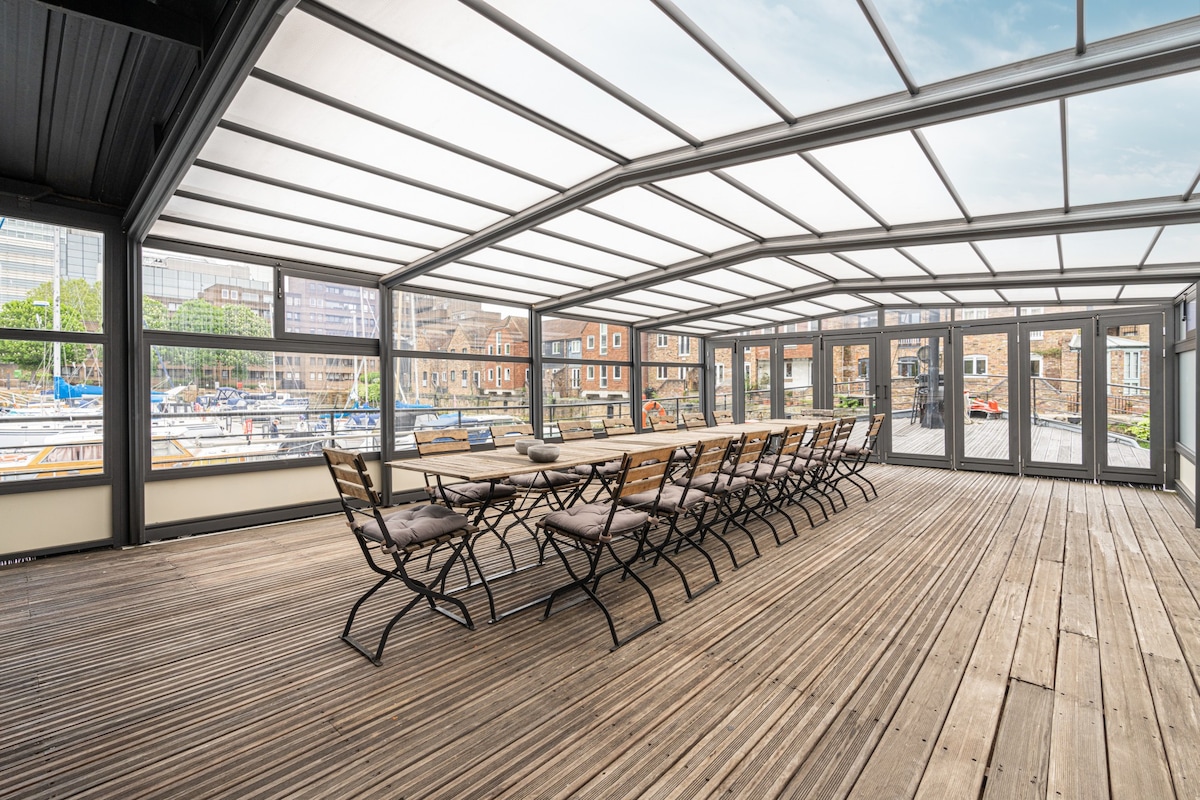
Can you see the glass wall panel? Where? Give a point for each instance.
(756, 367)
(1055, 395)
(917, 404)
(851, 371)
(1127, 404)
(797, 378)
(450, 384)
(228, 406)
(996, 312)
(916, 316)
(584, 391)
(438, 324)
(670, 348)
(52, 395)
(669, 392)
(1186, 370)
(327, 308)
(985, 382)
(590, 340)
(50, 277)
(868, 319)
(198, 294)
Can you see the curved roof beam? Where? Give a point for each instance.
(1109, 216)
(1129, 59)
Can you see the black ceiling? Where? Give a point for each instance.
(86, 100)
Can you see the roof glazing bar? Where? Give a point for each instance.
(889, 46)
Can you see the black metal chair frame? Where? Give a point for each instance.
(851, 466)
(362, 505)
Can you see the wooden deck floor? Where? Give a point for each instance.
(964, 635)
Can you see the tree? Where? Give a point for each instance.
(80, 309)
(201, 316)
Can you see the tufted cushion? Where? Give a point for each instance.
(682, 454)
(543, 480)
(590, 521)
(741, 470)
(768, 472)
(857, 451)
(416, 524)
(607, 469)
(461, 494)
(673, 497)
(713, 483)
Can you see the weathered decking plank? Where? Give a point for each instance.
(1020, 760)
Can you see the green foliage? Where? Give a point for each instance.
(1140, 430)
(842, 401)
(368, 389)
(80, 309)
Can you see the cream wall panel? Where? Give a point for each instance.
(38, 520)
(215, 495)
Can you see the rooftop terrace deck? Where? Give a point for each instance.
(963, 635)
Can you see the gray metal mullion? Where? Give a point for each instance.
(766, 201)
(485, 287)
(545, 48)
(398, 127)
(724, 59)
(633, 226)
(363, 166)
(1066, 153)
(826, 173)
(548, 259)
(510, 271)
(943, 176)
(324, 195)
(1153, 242)
(393, 48)
(889, 45)
(387, 390)
(975, 246)
(595, 246)
(533, 386)
(702, 211)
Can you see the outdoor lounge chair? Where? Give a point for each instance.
(400, 533)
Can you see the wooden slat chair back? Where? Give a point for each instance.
(835, 452)
(399, 533)
(693, 420)
(856, 457)
(723, 417)
(619, 426)
(481, 497)
(660, 424)
(592, 528)
(570, 430)
(809, 466)
(507, 435)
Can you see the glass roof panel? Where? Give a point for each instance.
(494, 257)
(549, 246)
(727, 201)
(1122, 248)
(371, 79)
(843, 302)
(735, 282)
(495, 293)
(1105, 293)
(638, 48)
(458, 38)
(487, 277)
(805, 308)
(696, 290)
(974, 296)
(604, 314)
(928, 298)
(221, 186)
(1134, 291)
(642, 311)
(885, 262)
(653, 212)
(831, 265)
(774, 314)
(740, 319)
(1030, 252)
(779, 271)
(1108, 18)
(252, 244)
(272, 110)
(1003, 162)
(776, 41)
(956, 258)
(793, 184)
(261, 224)
(592, 228)
(946, 39)
(1179, 244)
(1031, 294)
(885, 298)
(893, 176)
(284, 164)
(1134, 141)
(662, 299)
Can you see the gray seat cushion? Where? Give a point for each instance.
(464, 494)
(714, 483)
(416, 524)
(590, 521)
(673, 497)
(607, 469)
(857, 451)
(543, 480)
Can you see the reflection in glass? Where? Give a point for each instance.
(852, 387)
(51, 277)
(573, 338)
(326, 308)
(670, 348)
(1055, 395)
(214, 406)
(669, 392)
(756, 365)
(797, 378)
(1127, 405)
(198, 294)
(437, 324)
(917, 396)
(721, 376)
(985, 382)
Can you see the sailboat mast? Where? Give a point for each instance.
(57, 305)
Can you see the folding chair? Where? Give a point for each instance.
(835, 452)
(808, 467)
(576, 430)
(663, 424)
(619, 426)
(694, 420)
(591, 528)
(717, 479)
(722, 417)
(484, 502)
(858, 456)
(762, 470)
(401, 532)
(541, 485)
